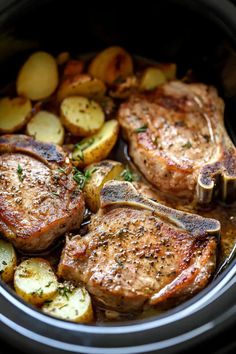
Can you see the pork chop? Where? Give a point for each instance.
(138, 252)
(177, 139)
(39, 200)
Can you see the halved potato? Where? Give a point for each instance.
(81, 116)
(46, 127)
(7, 261)
(35, 281)
(98, 146)
(100, 173)
(152, 78)
(74, 306)
(38, 77)
(81, 85)
(111, 64)
(168, 69)
(14, 113)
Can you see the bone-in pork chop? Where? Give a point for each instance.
(39, 200)
(177, 138)
(139, 252)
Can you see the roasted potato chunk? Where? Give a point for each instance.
(81, 116)
(35, 281)
(14, 114)
(152, 78)
(80, 85)
(100, 173)
(111, 64)
(98, 146)
(169, 70)
(46, 127)
(7, 261)
(38, 77)
(74, 305)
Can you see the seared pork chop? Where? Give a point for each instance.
(140, 252)
(39, 200)
(177, 138)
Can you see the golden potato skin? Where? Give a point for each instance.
(14, 113)
(46, 127)
(81, 116)
(7, 261)
(38, 77)
(76, 306)
(100, 173)
(98, 146)
(111, 64)
(35, 281)
(80, 85)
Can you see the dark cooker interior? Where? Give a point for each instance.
(167, 31)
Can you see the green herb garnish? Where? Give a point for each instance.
(141, 129)
(187, 145)
(81, 178)
(80, 147)
(127, 174)
(64, 291)
(20, 173)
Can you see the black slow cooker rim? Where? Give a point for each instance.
(220, 290)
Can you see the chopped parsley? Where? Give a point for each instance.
(141, 129)
(20, 173)
(83, 145)
(65, 291)
(56, 194)
(82, 178)
(38, 292)
(127, 174)
(187, 145)
(61, 170)
(48, 284)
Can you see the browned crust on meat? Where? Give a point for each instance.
(44, 201)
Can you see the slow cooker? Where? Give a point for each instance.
(196, 34)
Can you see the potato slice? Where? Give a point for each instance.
(7, 261)
(35, 281)
(46, 127)
(100, 173)
(111, 64)
(38, 77)
(98, 146)
(14, 114)
(152, 78)
(80, 85)
(63, 58)
(74, 306)
(81, 116)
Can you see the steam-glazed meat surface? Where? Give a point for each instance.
(172, 132)
(131, 257)
(39, 199)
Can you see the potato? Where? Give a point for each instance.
(63, 58)
(98, 146)
(100, 173)
(111, 64)
(14, 114)
(81, 116)
(38, 77)
(46, 127)
(168, 69)
(35, 281)
(73, 306)
(73, 67)
(152, 78)
(80, 85)
(7, 261)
